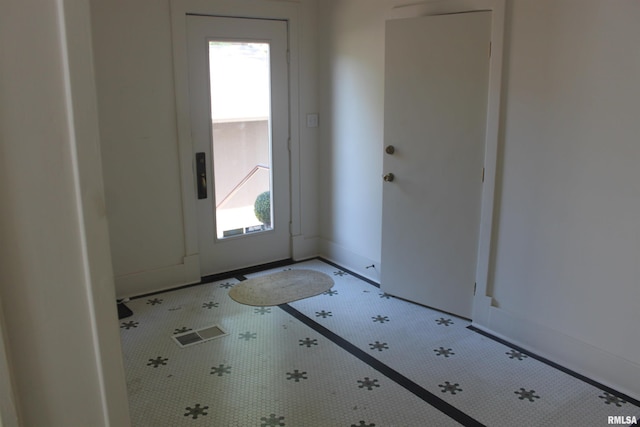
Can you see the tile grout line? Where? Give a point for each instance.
(240, 277)
(385, 370)
(393, 375)
(554, 365)
(506, 343)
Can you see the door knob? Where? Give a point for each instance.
(390, 149)
(388, 177)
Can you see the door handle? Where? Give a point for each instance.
(201, 172)
(388, 177)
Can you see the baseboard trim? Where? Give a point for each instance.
(575, 355)
(304, 247)
(359, 264)
(159, 279)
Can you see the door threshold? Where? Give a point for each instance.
(246, 270)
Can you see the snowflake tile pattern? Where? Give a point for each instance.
(380, 319)
(196, 411)
(209, 305)
(378, 346)
(158, 361)
(248, 336)
(154, 301)
(330, 292)
(129, 325)
(368, 383)
(446, 352)
(308, 342)
(272, 421)
(262, 310)
(220, 370)
(448, 387)
(296, 375)
(339, 273)
(513, 354)
(181, 330)
(444, 322)
(610, 399)
(527, 394)
(248, 374)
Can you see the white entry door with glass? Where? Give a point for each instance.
(238, 91)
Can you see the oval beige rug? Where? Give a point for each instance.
(280, 288)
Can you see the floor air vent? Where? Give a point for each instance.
(186, 339)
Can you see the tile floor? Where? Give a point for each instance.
(352, 356)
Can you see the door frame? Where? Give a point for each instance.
(258, 9)
(482, 300)
(219, 254)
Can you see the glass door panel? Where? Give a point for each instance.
(239, 74)
(239, 118)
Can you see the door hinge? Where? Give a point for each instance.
(482, 174)
(474, 288)
(289, 144)
(288, 56)
(490, 46)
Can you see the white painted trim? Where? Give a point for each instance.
(497, 7)
(350, 260)
(160, 279)
(592, 362)
(304, 247)
(86, 167)
(8, 410)
(185, 145)
(270, 9)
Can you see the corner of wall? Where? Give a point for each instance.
(357, 263)
(304, 247)
(160, 279)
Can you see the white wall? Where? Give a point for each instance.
(56, 281)
(137, 109)
(568, 242)
(565, 278)
(134, 77)
(351, 90)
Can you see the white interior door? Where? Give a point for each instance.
(436, 79)
(238, 91)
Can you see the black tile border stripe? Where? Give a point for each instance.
(393, 375)
(377, 285)
(364, 279)
(249, 270)
(561, 368)
(239, 275)
(428, 397)
(221, 276)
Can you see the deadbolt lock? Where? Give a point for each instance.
(388, 177)
(390, 149)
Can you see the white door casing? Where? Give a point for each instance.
(219, 255)
(436, 80)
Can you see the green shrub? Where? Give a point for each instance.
(262, 208)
